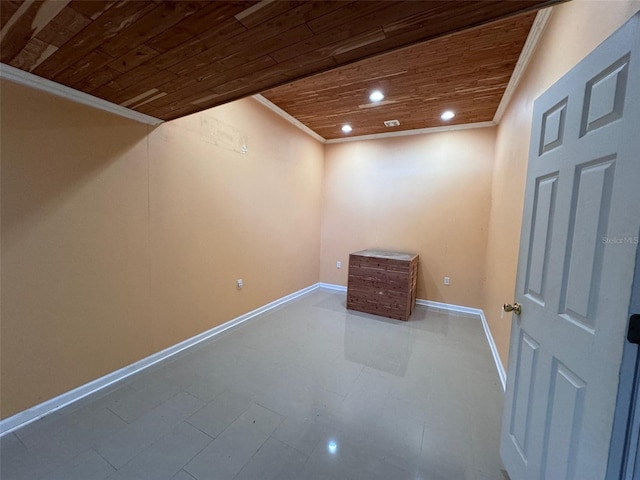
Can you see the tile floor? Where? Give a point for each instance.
(306, 391)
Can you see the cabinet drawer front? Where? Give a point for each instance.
(378, 275)
(386, 308)
(378, 295)
(374, 284)
(379, 263)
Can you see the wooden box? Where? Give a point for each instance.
(382, 283)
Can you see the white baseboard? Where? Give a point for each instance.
(331, 286)
(494, 351)
(487, 331)
(452, 308)
(448, 306)
(45, 408)
(25, 78)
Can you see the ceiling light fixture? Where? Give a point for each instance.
(346, 128)
(447, 115)
(376, 96)
(332, 446)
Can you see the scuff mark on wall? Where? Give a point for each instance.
(222, 134)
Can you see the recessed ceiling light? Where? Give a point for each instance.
(332, 446)
(376, 96)
(447, 115)
(346, 128)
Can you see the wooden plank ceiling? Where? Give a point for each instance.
(466, 73)
(169, 59)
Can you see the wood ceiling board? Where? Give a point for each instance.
(467, 72)
(217, 34)
(92, 9)
(7, 9)
(422, 20)
(158, 20)
(227, 92)
(133, 58)
(96, 79)
(127, 48)
(198, 27)
(63, 27)
(28, 20)
(195, 53)
(104, 28)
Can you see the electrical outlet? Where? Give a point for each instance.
(447, 280)
(239, 284)
(338, 264)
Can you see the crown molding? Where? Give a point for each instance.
(25, 78)
(528, 50)
(420, 131)
(289, 118)
(417, 131)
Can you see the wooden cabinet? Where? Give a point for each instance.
(382, 283)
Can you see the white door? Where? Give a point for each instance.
(578, 246)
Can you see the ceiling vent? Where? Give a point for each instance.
(392, 123)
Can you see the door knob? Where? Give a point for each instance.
(515, 308)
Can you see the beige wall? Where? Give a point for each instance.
(425, 194)
(75, 256)
(218, 215)
(118, 242)
(574, 29)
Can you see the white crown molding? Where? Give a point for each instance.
(25, 78)
(417, 131)
(289, 118)
(528, 50)
(525, 57)
(420, 131)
